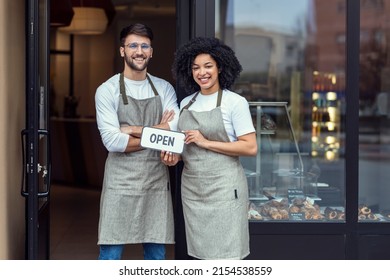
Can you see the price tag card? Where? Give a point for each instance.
(162, 139)
(294, 193)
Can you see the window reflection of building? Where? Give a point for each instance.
(269, 58)
(269, 55)
(374, 86)
(374, 90)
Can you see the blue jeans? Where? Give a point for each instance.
(152, 251)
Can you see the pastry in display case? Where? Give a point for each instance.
(280, 189)
(331, 213)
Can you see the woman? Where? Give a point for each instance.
(218, 129)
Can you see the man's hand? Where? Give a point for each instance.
(167, 116)
(126, 129)
(136, 130)
(132, 130)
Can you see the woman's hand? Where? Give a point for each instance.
(194, 136)
(169, 158)
(244, 146)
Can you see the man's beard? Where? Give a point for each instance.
(134, 66)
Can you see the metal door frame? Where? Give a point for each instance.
(35, 137)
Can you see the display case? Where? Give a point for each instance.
(283, 181)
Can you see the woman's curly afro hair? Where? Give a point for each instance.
(226, 60)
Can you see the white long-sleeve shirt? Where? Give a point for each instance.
(107, 99)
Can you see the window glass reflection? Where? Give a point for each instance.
(374, 112)
(293, 58)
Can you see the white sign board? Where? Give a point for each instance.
(162, 139)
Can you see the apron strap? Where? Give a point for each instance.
(152, 85)
(193, 99)
(122, 87)
(219, 98)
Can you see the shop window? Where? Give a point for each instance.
(296, 99)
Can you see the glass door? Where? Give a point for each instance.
(35, 138)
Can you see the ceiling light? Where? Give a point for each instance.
(87, 21)
(90, 17)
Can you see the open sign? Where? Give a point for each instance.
(162, 139)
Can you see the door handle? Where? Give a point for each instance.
(44, 169)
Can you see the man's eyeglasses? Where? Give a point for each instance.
(135, 46)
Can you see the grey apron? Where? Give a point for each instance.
(136, 205)
(214, 192)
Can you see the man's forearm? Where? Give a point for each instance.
(136, 130)
(133, 145)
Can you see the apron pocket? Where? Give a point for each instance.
(209, 188)
(132, 175)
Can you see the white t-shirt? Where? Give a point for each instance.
(107, 102)
(235, 111)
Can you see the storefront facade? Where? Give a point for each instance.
(315, 75)
(316, 186)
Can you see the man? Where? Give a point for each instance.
(136, 205)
